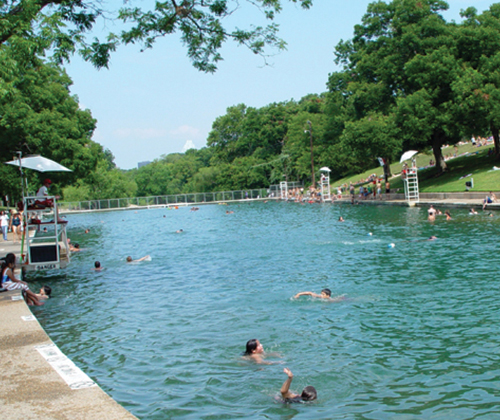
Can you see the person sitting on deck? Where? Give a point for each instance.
(10, 282)
(308, 394)
(489, 199)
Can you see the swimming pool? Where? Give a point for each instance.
(418, 336)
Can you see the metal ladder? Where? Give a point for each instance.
(411, 185)
(284, 190)
(325, 187)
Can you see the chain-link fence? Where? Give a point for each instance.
(166, 200)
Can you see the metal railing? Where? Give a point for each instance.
(165, 200)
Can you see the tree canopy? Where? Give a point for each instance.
(408, 79)
(63, 27)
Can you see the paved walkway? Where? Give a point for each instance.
(37, 380)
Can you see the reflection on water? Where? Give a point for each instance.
(418, 336)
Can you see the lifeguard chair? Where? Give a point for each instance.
(325, 184)
(44, 243)
(284, 190)
(410, 177)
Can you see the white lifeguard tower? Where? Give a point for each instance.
(283, 190)
(44, 244)
(325, 184)
(410, 177)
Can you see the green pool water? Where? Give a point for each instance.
(417, 337)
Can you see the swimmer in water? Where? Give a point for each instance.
(74, 248)
(432, 213)
(254, 351)
(325, 294)
(179, 231)
(472, 211)
(129, 259)
(341, 219)
(448, 215)
(432, 238)
(97, 266)
(45, 293)
(308, 394)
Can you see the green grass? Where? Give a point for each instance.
(476, 162)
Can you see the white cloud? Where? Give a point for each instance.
(185, 130)
(189, 145)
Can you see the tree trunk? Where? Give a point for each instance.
(437, 142)
(496, 140)
(387, 170)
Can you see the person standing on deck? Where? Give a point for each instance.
(4, 224)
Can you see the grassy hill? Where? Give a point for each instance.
(470, 160)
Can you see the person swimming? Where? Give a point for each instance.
(325, 294)
(45, 292)
(129, 259)
(308, 393)
(254, 350)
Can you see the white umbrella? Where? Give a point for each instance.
(407, 155)
(39, 163)
(326, 169)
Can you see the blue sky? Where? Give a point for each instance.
(153, 103)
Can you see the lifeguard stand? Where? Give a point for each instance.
(45, 242)
(325, 184)
(411, 183)
(284, 190)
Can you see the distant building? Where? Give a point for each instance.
(141, 164)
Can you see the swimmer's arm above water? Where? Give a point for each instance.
(306, 294)
(285, 388)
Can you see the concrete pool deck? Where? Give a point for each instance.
(31, 386)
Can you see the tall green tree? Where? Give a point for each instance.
(403, 60)
(479, 87)
(38, 115)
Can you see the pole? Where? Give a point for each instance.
(312, 156)
(21, 172)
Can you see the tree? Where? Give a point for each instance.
(479, 87)
(403, 59)
(62, 27)
(39, 116)
(373, 136)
